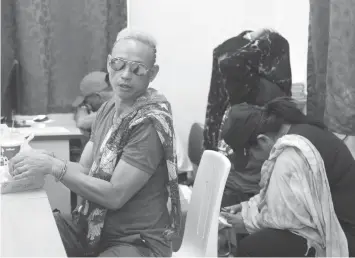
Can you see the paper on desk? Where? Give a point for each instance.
(31, 122)
(51, 130)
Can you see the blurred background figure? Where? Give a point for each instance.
(95, 90)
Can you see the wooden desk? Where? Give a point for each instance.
(28, 228)
(54, 137)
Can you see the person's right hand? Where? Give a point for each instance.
(257, 33)
(233, 209)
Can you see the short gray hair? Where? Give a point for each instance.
(140, 36)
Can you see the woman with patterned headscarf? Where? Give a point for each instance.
(305, 206)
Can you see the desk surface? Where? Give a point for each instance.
(28, 228)
(58, 125)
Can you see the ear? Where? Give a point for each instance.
(264, 141)
(153, 72)
(108, 63)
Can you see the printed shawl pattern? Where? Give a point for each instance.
(297, 200)
(151, 106)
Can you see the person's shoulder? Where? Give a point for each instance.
(106, 107)
(146, 132)
(146, 127)
(102, 114)
(290, 158)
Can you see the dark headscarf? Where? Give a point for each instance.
(245, 121)
(252, 71)
(241, 125)
(266, 57)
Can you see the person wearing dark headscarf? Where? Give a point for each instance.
(306, 202)
(253, 67)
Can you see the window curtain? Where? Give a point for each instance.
(57, 42)
(331, 64)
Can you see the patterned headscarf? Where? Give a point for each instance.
(254, 71)
(266, 57)
(151, 106)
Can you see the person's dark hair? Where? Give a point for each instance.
(107, 78)
(279, 111)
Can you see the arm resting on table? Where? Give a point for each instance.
(125, 182)
(141, 156)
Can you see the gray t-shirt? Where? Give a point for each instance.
(145, 216)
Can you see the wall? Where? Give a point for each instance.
(188, 30)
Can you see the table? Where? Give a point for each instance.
(54, 136)
(28, 228)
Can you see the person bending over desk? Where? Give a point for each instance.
(253, 67)
(125, 167)
(306, 202)
(95, 89)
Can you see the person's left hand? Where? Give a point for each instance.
(236, 220)
(30, 163)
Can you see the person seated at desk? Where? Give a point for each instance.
(95, 89)
(127, 169)
(306, 201)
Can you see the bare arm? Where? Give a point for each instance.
(87, 157)
(85, 162)
(125, 182)
(139, 160)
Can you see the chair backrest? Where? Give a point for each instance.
(195, 143)
(201, 228)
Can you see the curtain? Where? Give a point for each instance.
(7, 42)
(331, 64)
(57, 42)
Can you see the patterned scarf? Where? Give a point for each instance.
(151, 106)
(298, 200)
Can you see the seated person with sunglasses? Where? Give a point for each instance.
(95, 90)
(127, 169)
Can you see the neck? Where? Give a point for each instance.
(122, 105)
(283, 130)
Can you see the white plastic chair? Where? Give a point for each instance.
(201, 228)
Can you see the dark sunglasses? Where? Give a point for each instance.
(118, 64)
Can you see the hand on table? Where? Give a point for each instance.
(29, 163)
